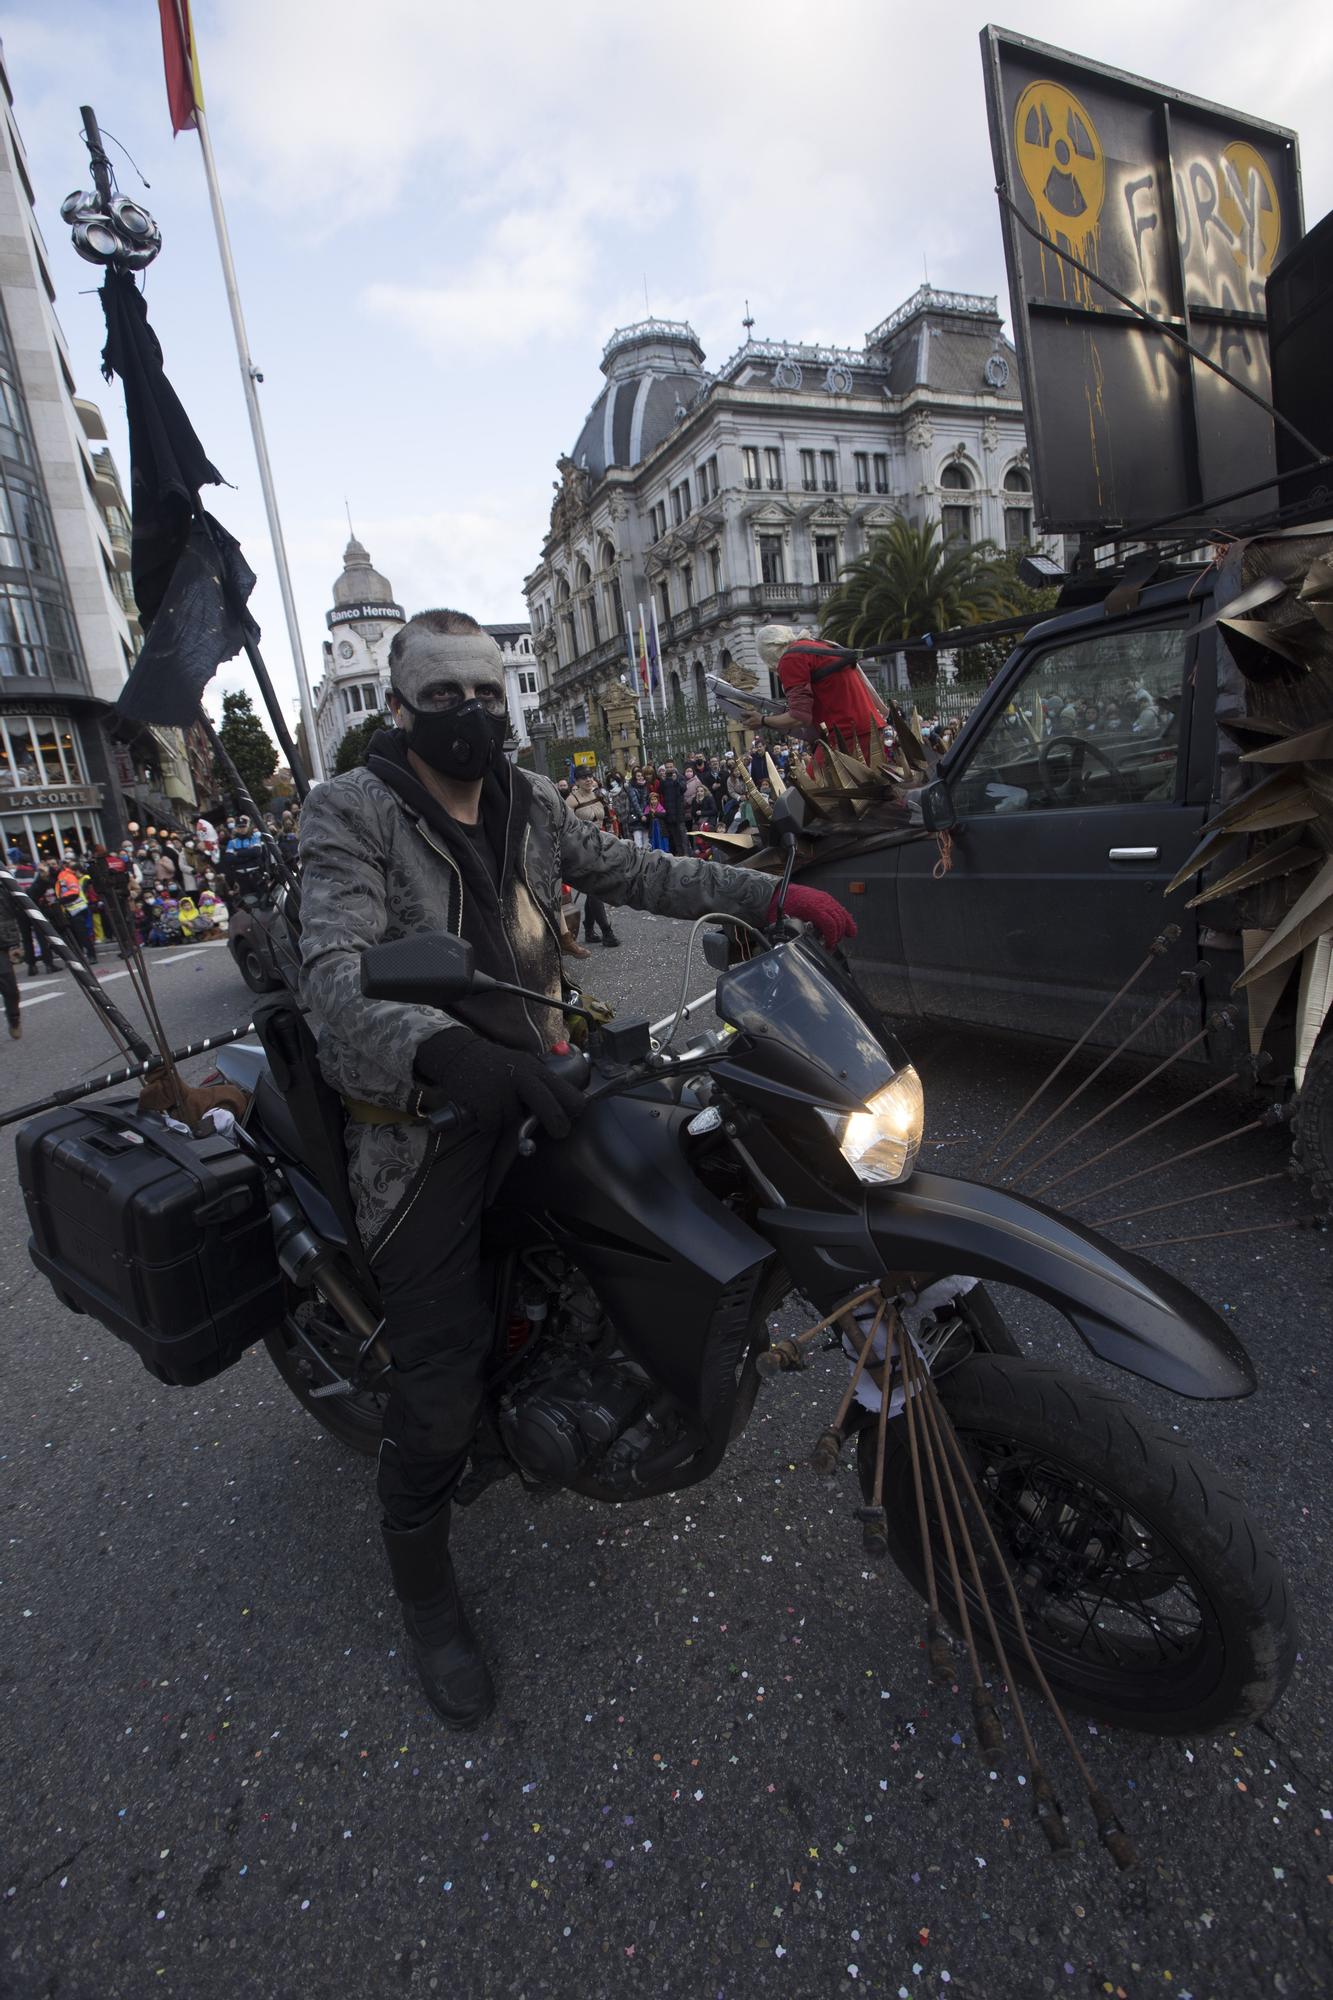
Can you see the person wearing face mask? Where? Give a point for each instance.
(437, 831)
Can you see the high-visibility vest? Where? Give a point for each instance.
(69, 891)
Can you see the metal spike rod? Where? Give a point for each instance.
(1275, 1115)
(1224, 1019)
(127, 1038)
(1183, 985)
(1123, 1852)
(1201, 1097)
(1160, 944)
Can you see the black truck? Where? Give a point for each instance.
(1031, 879)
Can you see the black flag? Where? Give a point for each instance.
(191, 581)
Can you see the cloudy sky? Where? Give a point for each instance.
(439, 212)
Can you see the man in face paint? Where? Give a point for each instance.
(437, 832)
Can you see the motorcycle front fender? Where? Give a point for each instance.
(1126, 1310)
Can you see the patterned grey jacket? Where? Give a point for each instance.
(375, 867)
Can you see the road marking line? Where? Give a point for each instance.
(690, 1006)
(105, 978)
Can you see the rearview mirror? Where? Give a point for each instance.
(937, 807)
(717, 950)
(431, 969)
(788, 815)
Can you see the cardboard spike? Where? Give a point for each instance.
(1241, 726)
(1263, 654)
(777, 783)
(1263, 996)
(1272, 789)
(1282, 857)
(732, 843)
(1308, 918)
(1316, 592)
(1207, 850)
(1313, 1001)
(1311, 744)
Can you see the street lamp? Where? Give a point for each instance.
(539, 735)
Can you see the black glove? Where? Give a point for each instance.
(497, 1085)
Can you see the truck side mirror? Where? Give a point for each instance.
(938, 813)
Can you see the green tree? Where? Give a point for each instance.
(249, 746)
(910, 581)
(356, 742)
(1019, 600)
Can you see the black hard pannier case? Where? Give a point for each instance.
(164, 1239)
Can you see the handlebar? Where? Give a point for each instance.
(569, 1063)
(574, 1067)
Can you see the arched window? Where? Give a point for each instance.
(608, 556)
(700, 684)
(956, 516)
(585, 575)
(562, 588)
(1017, 507)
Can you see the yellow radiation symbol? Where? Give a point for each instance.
(1061, 160)
(1248, 204)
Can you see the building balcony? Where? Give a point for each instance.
(610, 653)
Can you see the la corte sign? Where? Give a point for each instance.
(67, 795)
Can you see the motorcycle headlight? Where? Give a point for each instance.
(881, 1142)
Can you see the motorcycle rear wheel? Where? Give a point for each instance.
(1152, 1599)
(355, 1419)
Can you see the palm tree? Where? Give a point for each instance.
(910, 580)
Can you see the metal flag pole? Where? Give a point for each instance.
(250, 379)
(661, 663)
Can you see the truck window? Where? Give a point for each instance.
(1096, 722)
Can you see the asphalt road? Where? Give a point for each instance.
(717, 1769)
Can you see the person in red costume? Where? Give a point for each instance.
(825, 690)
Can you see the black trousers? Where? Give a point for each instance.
(437, 1326)
(595, 917)
(9, 988)
(675, 833)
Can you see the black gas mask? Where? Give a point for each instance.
(461, 742)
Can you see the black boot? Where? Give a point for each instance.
(453, 1673)
(609, 937)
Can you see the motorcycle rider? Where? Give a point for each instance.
(438, 832)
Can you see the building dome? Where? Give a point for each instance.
(654, 370)
(361, 582)
(361, 596)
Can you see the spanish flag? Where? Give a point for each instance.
(185, 91)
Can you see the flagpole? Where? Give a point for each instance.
(250, 378)
(657, 641)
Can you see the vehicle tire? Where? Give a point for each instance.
(1312, 1126)
(252, 969)
(1153, 1600)
(355, 1420)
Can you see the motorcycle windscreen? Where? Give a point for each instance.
(793, 1006)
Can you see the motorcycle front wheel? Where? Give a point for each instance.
(1151, 1598)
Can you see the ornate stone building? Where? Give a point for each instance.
(731, 499)
(525, 678)
(355, 681)
(66, 640)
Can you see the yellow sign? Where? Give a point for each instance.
(1061, 160)
(586, 760)
(1247, 203)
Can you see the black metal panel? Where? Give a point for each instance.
(1184, 207)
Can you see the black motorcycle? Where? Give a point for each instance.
(636, 1264)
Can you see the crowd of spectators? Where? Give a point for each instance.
(173, 885)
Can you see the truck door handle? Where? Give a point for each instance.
(1134, 854)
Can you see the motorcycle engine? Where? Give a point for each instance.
(576, 1396)
(553, 1425)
